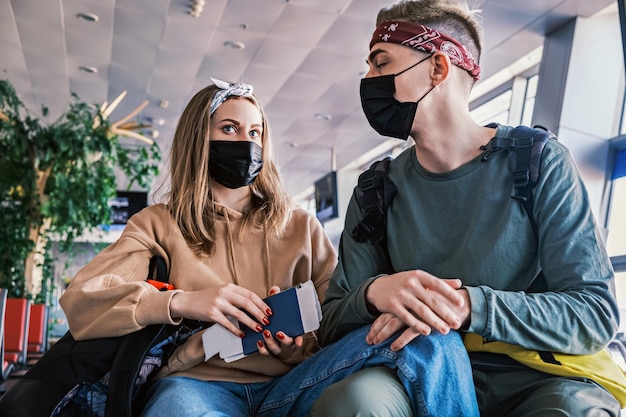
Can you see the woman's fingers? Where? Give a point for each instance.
(274, 290)
(216, 304)
(269, 344)
(278, 343)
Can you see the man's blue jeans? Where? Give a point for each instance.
(434, 370)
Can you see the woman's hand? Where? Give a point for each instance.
(216, 303)
(281, 344)
(285, 345)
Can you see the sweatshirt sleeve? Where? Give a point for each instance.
(109, 296)
(576, 312)
(344, 308)
(323, 260)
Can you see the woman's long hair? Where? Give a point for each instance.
(190, 198)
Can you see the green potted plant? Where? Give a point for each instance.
(56, 179)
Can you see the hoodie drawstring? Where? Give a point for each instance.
(268, 269)
(231, 245)
(233, 262)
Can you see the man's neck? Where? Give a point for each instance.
(445, 143)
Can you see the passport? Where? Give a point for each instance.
(296, 311)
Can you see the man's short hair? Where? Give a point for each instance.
(451, 17)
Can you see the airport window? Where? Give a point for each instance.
(622, 124)
(529, 100)
(499, 104)
(620, 290)
(616, 243)
(495, 110)
(616, 224)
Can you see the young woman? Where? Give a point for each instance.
(230, 236)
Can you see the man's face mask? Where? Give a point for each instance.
(235, 164)
(386, 115)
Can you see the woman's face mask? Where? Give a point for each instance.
(235, 164)
(386, 115)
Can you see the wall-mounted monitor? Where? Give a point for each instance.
(326, 203)
(125, 204)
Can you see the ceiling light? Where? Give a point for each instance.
(196, 8)
(88, 17)
(89, 70)
(323, 116)
(157, 121)
(235, 44)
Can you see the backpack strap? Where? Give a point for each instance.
(525, 146)
(131, 351)
(158, 274)
(374, 193)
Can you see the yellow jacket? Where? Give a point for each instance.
(599, 367)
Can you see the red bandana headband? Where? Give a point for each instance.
(427, 40)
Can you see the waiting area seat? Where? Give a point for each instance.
(16, 322)
(37, 332)
(7, 366)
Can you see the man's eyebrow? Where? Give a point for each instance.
(373, 54)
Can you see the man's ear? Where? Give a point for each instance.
(441, 67)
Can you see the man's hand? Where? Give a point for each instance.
(418, 302)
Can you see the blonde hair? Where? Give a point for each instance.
(451, 17)
(190, 199)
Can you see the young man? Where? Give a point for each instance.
(462, 252)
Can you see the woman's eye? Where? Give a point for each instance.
(379, 65)
(229, 129)
(255, 134)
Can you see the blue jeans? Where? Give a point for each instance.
(434, 370)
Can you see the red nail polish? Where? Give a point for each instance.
(269, 312)
(242, 334)
(259, 343)
(267, 334)
(280, 335)
(258, 328)
(266, 321)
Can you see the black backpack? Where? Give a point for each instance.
(70, 363)
(375, 191)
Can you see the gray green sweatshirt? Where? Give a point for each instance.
(464, 224)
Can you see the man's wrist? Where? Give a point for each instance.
(371, 308)
(466, 318)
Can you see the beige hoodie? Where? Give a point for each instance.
(109, 296)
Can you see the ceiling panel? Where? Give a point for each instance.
(348, 36)
(304, 57)
(302, 25)
(325, 64)
(257, 17)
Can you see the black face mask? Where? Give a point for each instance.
(235, 164)
(386, 115)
